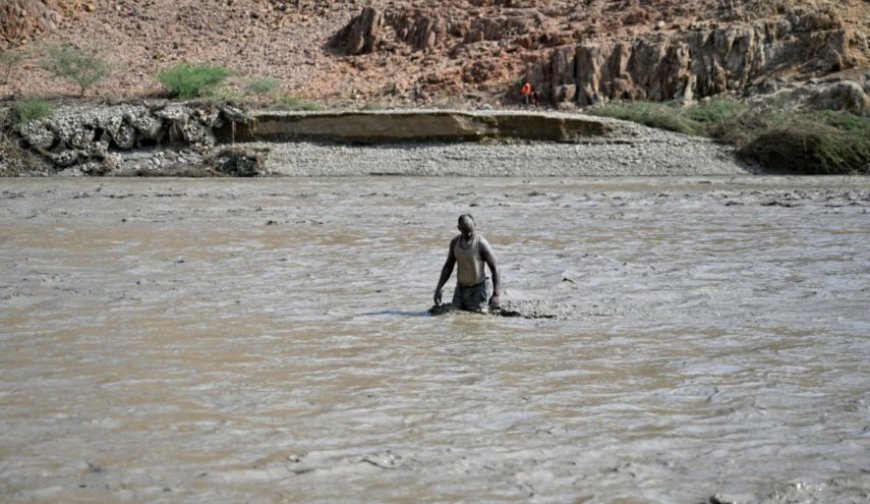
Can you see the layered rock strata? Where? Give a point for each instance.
(702, 62)
(572, 62)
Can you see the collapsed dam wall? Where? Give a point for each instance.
(92, 140)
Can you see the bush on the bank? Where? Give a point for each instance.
(190, 81)
(665, 116)
(261, 86)
(697, 119)
(31, 109)
(715, 111)
(82, 66)
(825, 142)
(816, 143)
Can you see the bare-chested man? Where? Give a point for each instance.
(469, 252)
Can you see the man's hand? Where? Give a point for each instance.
(493, 302)
(437, 297)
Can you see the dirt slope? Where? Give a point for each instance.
(444, 51)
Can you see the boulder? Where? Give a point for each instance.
(846, 95)
(121, 132)
(237, 162)
(37, 135)
(147, 126)
(362, 34)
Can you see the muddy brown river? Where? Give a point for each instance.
(686, 340)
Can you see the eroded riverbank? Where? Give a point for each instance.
(200, 340)
(174, 139)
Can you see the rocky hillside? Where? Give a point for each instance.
(452, 52)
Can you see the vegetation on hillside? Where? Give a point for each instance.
(806, 142)
(84, 67)
(191, 81)
(30, 109)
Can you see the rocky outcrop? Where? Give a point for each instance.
(850, 96)
(374, 29)
(595, 51)
(92, 140)
(362, 34)
(702, 62)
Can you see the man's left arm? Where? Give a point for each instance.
(489, 258)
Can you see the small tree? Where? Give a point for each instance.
(9, 59)
(82, 66)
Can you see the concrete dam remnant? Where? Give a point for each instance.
(415, 126)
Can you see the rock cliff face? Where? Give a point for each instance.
(584, 67)
(698, 63)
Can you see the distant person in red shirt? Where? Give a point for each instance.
(526, 92)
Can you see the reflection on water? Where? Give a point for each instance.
(268, 341)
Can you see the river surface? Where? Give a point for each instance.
(268, 341)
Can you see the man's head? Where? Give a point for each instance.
(466, 225)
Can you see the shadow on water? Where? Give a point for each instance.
(397, 313)
(448, 309)
(433, 311)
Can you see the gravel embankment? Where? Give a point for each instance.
(649, 153)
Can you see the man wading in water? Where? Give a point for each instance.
(469, 251)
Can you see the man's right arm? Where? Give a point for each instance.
(446, 271)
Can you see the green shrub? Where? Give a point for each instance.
(703, 118)
(189, 81)
(715, 111)
(818, 142)
(807, 145)
(261, 86)
(82, 66)
(656, 115)
(846, 121)
(31, 110)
